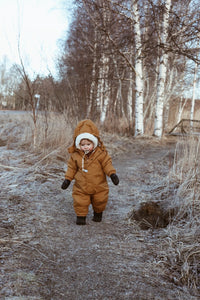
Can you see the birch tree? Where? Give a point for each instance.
(93, 83)
(103, 89)
(130, 93)
(158, 127)
(111, 59)
(194, 83)
(193, 94)
(139, 89)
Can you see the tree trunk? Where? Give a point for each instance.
(158, 125)
(93, 83)
(139, 95)
(104, 88)
(193, 94)
(103, 91)
(118, 102)
(130, 93)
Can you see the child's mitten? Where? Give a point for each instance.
(114, 179)
(65, 184)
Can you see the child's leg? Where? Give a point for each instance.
(81, 205)
(99, 202)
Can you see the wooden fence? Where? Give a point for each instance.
(186, 127)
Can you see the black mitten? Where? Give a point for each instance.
(65, 184)
(114, 179)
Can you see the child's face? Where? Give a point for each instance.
(86, 145)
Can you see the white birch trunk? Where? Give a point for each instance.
(130, 99)
(139, 96)
(100, 85)
(118, 103)
(158, 126)
(105, 88)
(130, 93)
(103, 92)
(93, 83)
(193, 95)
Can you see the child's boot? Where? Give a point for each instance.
(81, 220)
(97, 217)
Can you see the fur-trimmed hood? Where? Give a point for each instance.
(86, 129)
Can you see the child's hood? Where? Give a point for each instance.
(85, 126)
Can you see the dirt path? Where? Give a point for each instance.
(45, 255)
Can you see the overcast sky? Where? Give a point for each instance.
(40, 24)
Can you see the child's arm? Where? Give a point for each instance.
(106, 163)
(70, 173)
(71, 169)
(109, 169)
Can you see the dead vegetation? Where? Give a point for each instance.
(147, 246)
(177, 209)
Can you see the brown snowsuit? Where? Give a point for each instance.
(89, 172)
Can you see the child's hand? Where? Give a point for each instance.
(114, 179)
(65, 184)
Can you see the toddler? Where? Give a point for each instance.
(89, 164)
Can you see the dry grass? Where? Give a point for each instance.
(186, 174)
(53, 132)
(181, 255)
(177, 197)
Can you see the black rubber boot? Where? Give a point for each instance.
(81, 220)
(97, 217)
